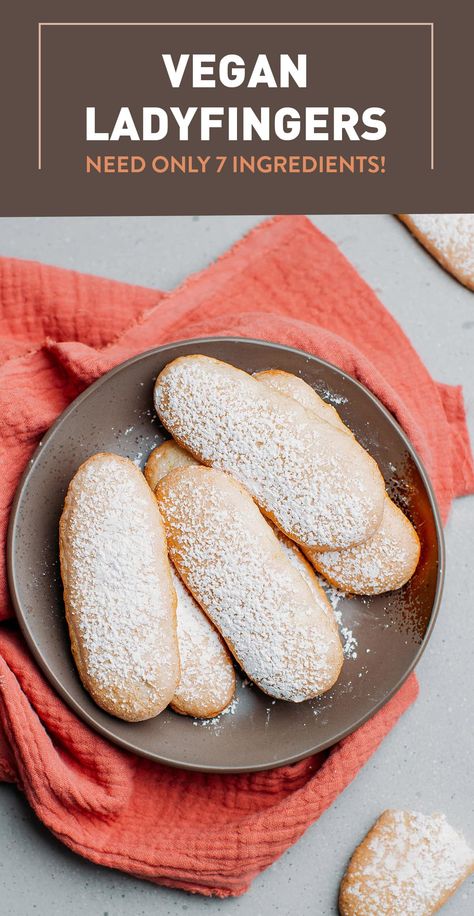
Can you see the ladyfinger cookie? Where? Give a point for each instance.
(407, 864)
(315, 482)
(384, 563)
(448, 237)
(388, 559)
(119, 598)
(163, 459)
(207, 680)
(294, 387)
(304, 568)
(233, 564)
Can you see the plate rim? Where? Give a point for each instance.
(22, 617)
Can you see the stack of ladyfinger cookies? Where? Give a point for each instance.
(216, 552)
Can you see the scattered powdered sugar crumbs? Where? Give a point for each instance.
(349, 641)
(216, 723)
(330, 396)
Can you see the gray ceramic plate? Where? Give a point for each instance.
(383, 636)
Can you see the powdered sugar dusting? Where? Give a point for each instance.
(318, 482)
(119, 594)
(296, 558)
(334, 595)
(294, 387)
(236, 569)
(332, 397)
(207, 679)
(408, 864)
(385, 562)
(452, 234)
(216, 724)
(349, 640)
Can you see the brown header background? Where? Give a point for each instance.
(421, 74)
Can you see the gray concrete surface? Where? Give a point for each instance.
(426, 762)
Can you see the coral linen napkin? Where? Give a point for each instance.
(59, 331)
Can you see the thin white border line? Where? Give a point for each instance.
(40, 97)
(236, 23)
(432, 98)
(41, 24)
